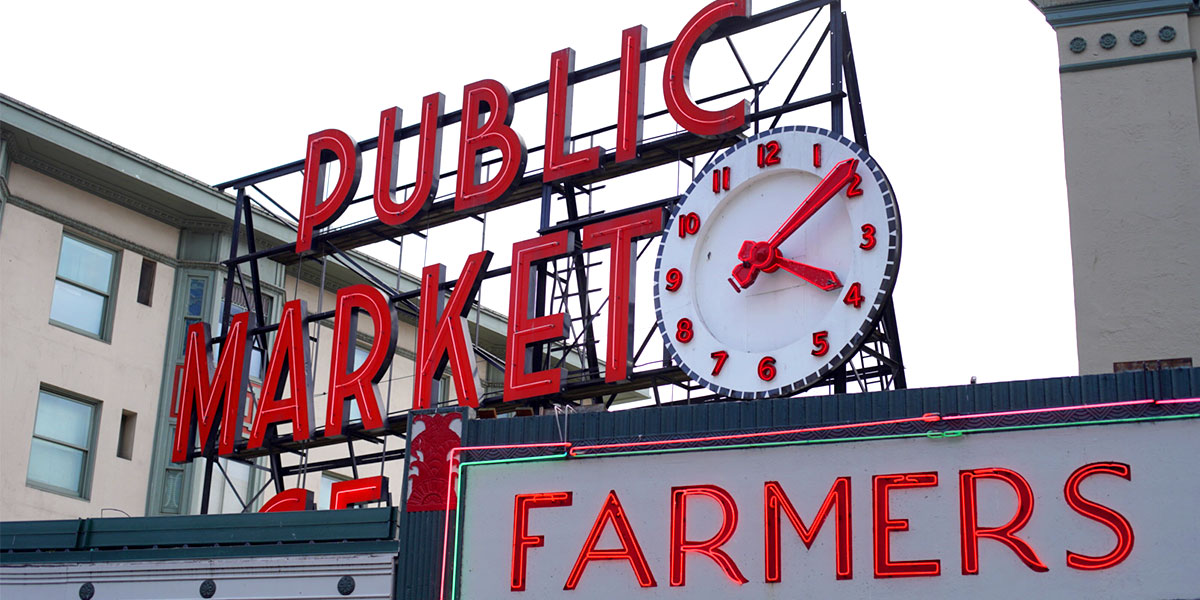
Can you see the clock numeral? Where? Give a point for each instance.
(853, 190)
(689, 224)
(766, 368)
(721, 179)
(720, 356)
(674, 280)
(820, 346)
(816, 155)
(868, 236)
(683, 331)
(853, 295)
(768, 154)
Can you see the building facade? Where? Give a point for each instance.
(107, 257)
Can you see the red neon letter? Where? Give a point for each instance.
(442, 334)
(884, 525)
(323, 147)
(711, 547)
(291, 500)
(359, 384)
(679, 63)
(1098, 512)
(522, 541)
(558, 124)
(479, 135)
(224, 394)
(429, 160)
(525, 329)
(839, 497)
(343, 494)
(289, 359)
(630, 101)
(621, 234)
(630, 550)
(1006, 534)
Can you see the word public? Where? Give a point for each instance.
(213, 393)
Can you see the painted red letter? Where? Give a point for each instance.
(630, 101)
(711, 547)
(1006, 534)
(218, 403)
(884, 525)
(442, 334)
(679, 63)
(289, 359)
(558, 164)
(525, 329)
(838, 498)
(295, 499)
(359, 384)
(1098, 512)
(323, 147)
(344, 494)
(522, 541)
(479, 135)
(621, 234)
(429, 160)
(630, 550)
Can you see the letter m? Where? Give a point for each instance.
(204, 400)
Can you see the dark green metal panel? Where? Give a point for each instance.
(369, 524)
(715, 418)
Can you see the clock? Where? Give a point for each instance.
(776, 263)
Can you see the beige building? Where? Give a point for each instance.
(1131, 131)
(105, 257)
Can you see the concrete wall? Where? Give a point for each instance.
(1131, 129)
(121, 374)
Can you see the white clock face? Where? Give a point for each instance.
(777, 262)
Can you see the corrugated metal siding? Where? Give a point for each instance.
(420, 555)
(675, 420)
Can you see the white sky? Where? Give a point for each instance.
(961, 102)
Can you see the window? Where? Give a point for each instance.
(125, 436)
(146, 282)
(63, 436)
(83, 287)
(328, 478)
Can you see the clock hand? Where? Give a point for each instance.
(746, 272)
(826, 280)
(756, 256)
(834, 181)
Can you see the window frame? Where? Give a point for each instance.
(89, 459)
(110, 297)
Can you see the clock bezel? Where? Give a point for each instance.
(875, 311)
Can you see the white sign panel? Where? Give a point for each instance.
(1081, 512)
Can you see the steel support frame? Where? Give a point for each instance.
(882, 347)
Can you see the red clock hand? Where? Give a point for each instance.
(834, 181)
(758, 256)
(826, 280)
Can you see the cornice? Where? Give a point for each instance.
(92, 231)
(1099, 11)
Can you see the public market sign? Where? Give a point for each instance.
(213, 392)
(1078, 512)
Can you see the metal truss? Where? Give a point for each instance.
(563, 285)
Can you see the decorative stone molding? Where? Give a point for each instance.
(92, 231)
(1078, 45)
(1166, 34)
(1108, 41)
(1137, 37)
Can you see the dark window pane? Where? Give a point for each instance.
(146, 281)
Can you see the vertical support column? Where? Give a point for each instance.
(836, 55)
